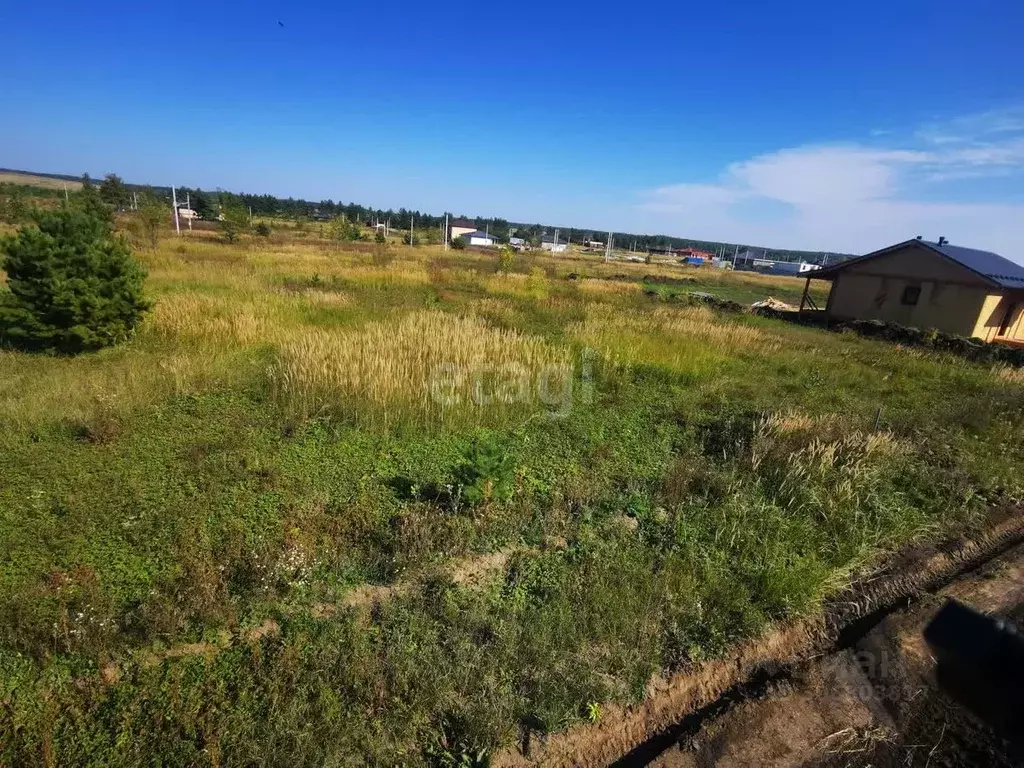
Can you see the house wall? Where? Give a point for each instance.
(481, 241)
(458, 231)
(993, 313)
(952, 298)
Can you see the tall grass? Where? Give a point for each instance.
(687, 338)
(429, 367)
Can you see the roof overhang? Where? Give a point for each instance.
(830, 273)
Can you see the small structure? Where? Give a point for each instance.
(548, 243)
(476, 237)
(188, 213)
(918, 283)
(459, 227)
(519, 243)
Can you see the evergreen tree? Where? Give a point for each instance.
(201, 204)
(88, 201)
(74, 286)
(114, 192)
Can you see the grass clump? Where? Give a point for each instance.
(429, 367)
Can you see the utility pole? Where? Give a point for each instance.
(412, 227)
(608, 249)
(445, 233)
(735, 252)
(66, 198)
(188, 205)
(174, 204)
(554, 248)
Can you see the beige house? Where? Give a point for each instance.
(461, 227)
(922, 284)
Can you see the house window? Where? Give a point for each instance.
(910, 295)
(1008, 318)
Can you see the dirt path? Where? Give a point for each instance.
(806, 678)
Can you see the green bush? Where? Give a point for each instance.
(263, 229)
(74, 286)
(379, 237)
(487, 474)
(506, 259)
(459, 243)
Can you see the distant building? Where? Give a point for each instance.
(459, 227)
(476, 237)
(548, 243)
(519, 243)
(188, 213)
(757, 262)
(918, 283)
(789, 267)
(694, 253)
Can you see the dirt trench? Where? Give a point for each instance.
(849, 689)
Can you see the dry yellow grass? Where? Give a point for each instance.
(427, 365)
(36, 389)
(221, 320)
(1009, 374)
(595, 287)
(43, 182)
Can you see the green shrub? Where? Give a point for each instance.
(459, 243)
(379, 237)
(506, 259)
(263, 229)
(487, 474)
(74, 286)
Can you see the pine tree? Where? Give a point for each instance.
(74, 286)
(114, 192)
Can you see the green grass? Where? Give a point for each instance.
(712, 475)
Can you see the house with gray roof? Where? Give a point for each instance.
(923, 284)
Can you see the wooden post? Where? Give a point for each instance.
(803, 299)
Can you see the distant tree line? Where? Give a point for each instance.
(212, 204)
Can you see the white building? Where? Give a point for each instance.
(477, 237)
(548, 243)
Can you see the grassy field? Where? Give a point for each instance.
(42, 182)
(354, 504)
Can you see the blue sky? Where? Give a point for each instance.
(793, 124)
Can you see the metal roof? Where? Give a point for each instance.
(995, 268)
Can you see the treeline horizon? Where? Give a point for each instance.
(206, 203)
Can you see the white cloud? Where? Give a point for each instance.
(856, 198)
(976, 127)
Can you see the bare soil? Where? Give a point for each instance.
(854, 688)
